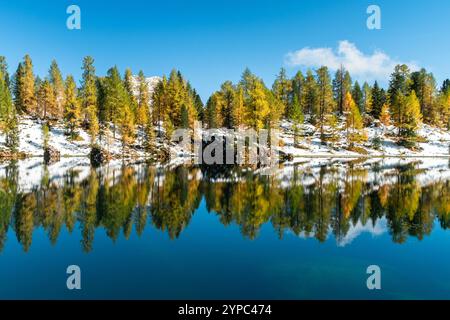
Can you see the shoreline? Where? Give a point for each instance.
(302, 156)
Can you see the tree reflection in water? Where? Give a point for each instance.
(306, 199)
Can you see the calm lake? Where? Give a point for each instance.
(307, 231)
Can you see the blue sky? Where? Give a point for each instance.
(213, 41)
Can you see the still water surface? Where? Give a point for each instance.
(309, 231)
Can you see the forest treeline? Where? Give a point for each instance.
(122, 103)
(100, 105)
(138, 197)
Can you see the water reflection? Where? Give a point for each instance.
(310, 199)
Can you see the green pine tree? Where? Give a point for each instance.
(311, 97)
(297, 118)
(4, 71)
(358, 97)
(342, 83)
(378, 100)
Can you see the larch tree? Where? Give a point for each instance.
(57, 82)
(311, 95)
(406, 115)
(353, 120)
(282, 88)
(8, 115)
(46, 100)
(424, 84)
(257, 106)
(143, 101)
(24, 89)
(117, 102)
(191, 103)
(442, 106)
(399, 88)
(45, 135)
(89, 99)
(72, 109)
(129, 86)
(297, 119)
(149, 143)
(385, 115)
(298, 90)
(169, 98)
(325, 97)
(12, 134)
(5, 95)
(159, 103)
(412, 115)
(143, 117)
(227, 96)
(276, 110)
(175, 98)
(238, 110)
(367, 98)
(127, 128)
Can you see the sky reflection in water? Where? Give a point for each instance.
(309, 231)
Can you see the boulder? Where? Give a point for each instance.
(162, 154)
(51, 155)
(7, 154)
(285, 157)
(99, 156)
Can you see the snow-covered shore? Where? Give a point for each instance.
(433, 142)
(307, 171)
(31, 140)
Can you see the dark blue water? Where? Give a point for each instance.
(209, 256)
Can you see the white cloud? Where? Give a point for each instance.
(375, 66)
(355, 231)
